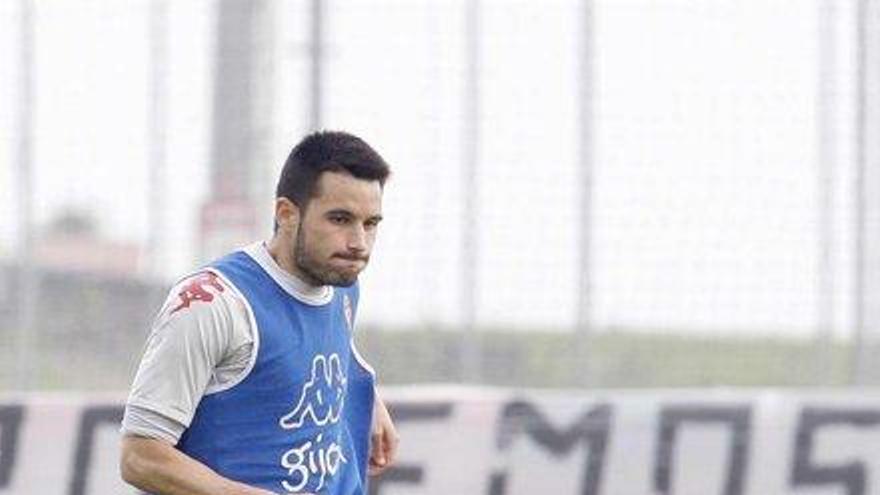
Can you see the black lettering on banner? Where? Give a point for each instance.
(91, 418)
(403, 413)
(806, 472)
(11, 419)
(591, 429)
(673, 418)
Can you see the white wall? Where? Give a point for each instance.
(494, 441)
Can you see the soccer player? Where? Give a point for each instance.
(250, 383)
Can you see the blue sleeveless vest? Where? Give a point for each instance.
(300, 420)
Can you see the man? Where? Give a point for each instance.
(250, 383)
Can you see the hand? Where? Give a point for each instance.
(383, 440)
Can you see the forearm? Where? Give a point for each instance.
(156, 467)
(383, 439)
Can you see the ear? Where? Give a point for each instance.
(286, 215)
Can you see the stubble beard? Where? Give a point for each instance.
(317, 273)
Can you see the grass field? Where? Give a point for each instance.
(610, 359)
(617, 359)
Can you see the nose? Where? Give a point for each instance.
(357, 240)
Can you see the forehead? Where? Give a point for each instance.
(341, 190)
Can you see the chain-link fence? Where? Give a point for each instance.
(584, 193)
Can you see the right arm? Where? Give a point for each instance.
(192, 342)
(155, 466)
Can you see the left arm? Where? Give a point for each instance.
(383, 439)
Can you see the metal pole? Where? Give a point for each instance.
(317, 74)
(241, 125)
(157, 122)
(826, 167)
(585, 160)
(29, 276)
(471, 350)
(858, 352)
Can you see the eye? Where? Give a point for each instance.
(338, 219)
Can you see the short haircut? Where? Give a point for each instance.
(327, 151)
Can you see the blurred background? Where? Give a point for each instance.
(585, 193)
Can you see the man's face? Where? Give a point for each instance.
(337, 229)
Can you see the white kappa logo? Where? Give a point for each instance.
(320, 404)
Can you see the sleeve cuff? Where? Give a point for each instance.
(145, 422)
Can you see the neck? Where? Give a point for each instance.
(283, 254)
(272, 255)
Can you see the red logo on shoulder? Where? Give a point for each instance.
(197, 290)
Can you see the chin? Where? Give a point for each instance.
(337, 279)
(347, 281)
(344, 283)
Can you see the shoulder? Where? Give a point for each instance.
(203, 320)
(200, 296)
(199, 288)
(349, 298)
(354, 292)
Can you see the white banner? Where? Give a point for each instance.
(502, 442)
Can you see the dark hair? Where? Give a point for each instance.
(327, 151)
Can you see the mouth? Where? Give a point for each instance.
(362, 259)
(353, 261)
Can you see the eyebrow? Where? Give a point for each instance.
(341, 211)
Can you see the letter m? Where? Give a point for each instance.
(520, 418)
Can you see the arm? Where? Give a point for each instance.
(188, 347)
(157, 467)
(383, 440)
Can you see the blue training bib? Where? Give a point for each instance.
(300, 420)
